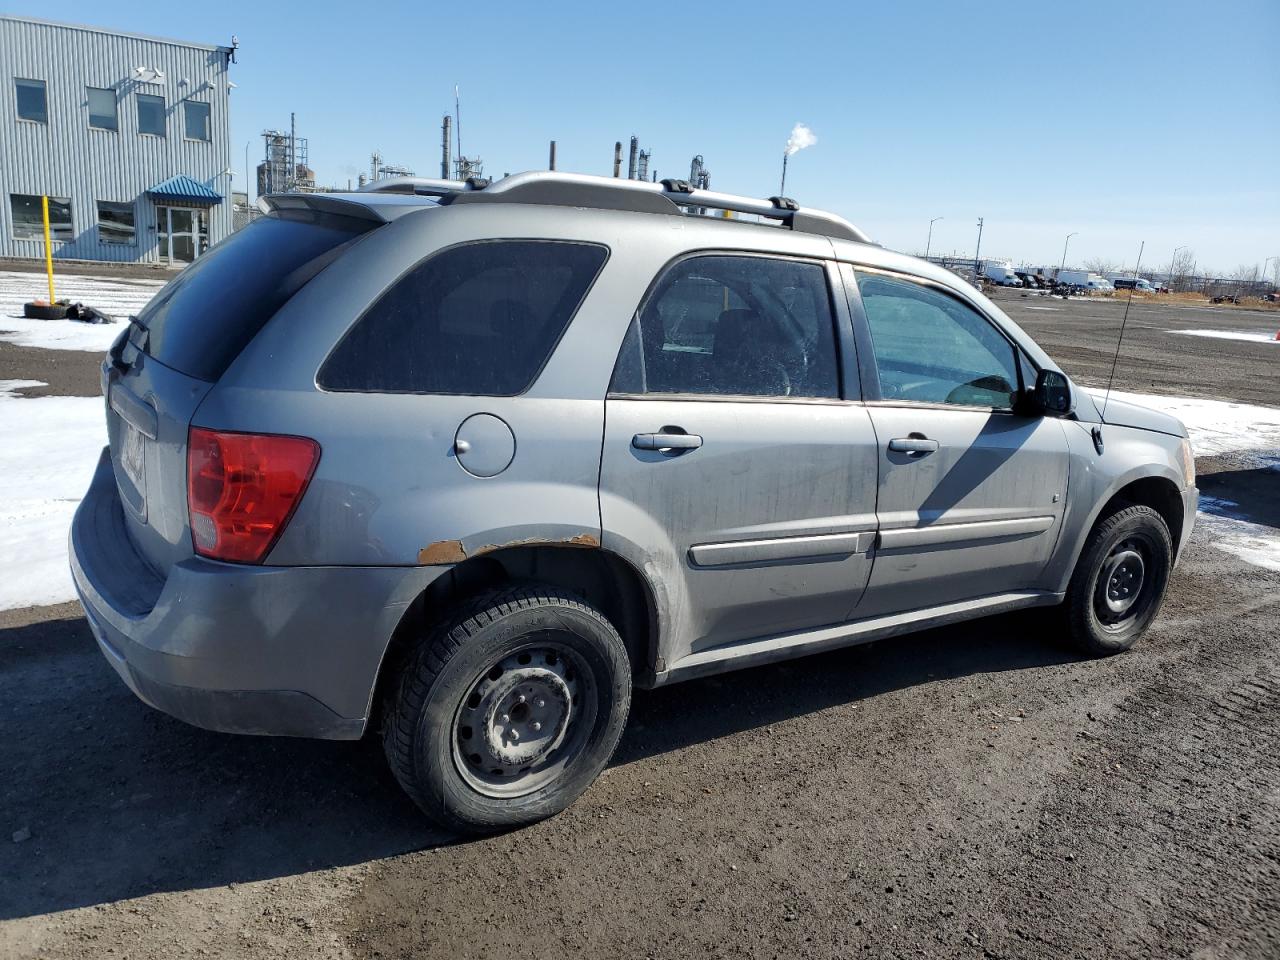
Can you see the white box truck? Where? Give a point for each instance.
(1001, 273)
(1086, 279)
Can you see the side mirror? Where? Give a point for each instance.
(1053, 394)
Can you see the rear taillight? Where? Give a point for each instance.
(242, 488)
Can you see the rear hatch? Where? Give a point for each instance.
(178, 346)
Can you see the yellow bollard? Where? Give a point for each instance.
(48, 249)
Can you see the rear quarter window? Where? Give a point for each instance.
(206, 315)
(476, 319)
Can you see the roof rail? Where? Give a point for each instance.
(612, 193)
(422, 186)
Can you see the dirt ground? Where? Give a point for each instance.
(975, 791)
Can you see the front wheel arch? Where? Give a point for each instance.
(1160, 494)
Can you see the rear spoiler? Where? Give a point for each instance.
(374, 207)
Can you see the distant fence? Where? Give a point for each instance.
(243, 214)
(1210, 286)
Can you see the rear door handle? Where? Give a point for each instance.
(666, 441)
(913, 444)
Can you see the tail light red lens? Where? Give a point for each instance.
(242, 488)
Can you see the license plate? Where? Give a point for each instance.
(133, 458)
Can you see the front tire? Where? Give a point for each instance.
(508, 711)
(1119, 581)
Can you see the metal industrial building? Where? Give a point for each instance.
(128, 136)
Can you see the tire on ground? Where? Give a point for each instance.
(419, 730)
(1137, 524)
(40, 311)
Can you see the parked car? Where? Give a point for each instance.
(1137, 284)
(461, 465)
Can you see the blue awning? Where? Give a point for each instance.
(182, 189)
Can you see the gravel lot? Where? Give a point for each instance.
(975, 791)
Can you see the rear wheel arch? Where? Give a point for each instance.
(602, 578)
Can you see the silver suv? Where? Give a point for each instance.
(464, 463)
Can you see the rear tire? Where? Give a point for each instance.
(509, 710)
(1119, 581)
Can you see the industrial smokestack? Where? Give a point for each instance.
(801, 137)
(552, 160)
(634, 158)
(446, 136)
(617, 158)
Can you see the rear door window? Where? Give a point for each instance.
(206, 315)
(476, 319)
(736, 326)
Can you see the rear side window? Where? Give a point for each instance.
(476, 319)
(206, 315)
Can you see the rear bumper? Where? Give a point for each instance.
(289, 651)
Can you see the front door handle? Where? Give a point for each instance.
(666, 441)
(916, 443)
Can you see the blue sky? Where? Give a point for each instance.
(1123, 122)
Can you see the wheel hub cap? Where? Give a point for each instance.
(526, 718)
(524, 715)
(1122, 579)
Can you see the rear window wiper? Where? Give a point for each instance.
(136, 324)
(116, 353)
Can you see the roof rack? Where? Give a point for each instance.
(611, 193)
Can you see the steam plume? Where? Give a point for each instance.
(801, 137)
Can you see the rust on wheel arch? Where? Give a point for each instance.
(452, 551)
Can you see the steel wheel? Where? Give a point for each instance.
(525, 719)
(1121, 593)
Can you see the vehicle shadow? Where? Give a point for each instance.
(120, 801)
(1248, 494)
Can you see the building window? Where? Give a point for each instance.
(31, 100)
(196, 115)
(151, 115)
(102, 109)
(115, 222)
(28, 220)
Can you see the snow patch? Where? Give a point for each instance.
(1251, 542)
(1230, 335)
(117, 297)
(1215, 426)
(50, 451)
(9, 388)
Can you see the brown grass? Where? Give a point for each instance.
(1198, 299)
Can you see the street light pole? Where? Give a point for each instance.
(929, 242)
(1264, 269)
(978, 250)
(1062, 266)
